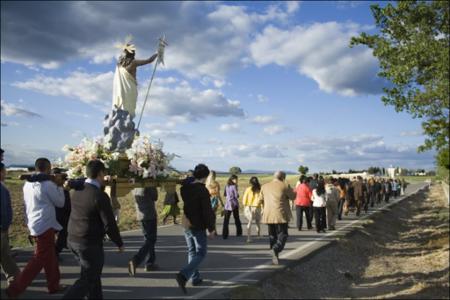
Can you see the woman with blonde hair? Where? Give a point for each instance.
(214, 190)
(252, 209)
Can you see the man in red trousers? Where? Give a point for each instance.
(42, 193)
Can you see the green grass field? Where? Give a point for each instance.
(19, 231)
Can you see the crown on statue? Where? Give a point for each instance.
(127, 46)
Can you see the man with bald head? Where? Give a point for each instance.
(274, 197)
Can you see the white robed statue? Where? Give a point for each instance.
(125, 83)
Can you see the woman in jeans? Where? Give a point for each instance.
(231, 206)
(198, 217)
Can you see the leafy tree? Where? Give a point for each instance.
(412, 47)
(373, 170)
(443, 159)
(235, 170)
(303, 169)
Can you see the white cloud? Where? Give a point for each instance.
(166, 131)
(262, 119)
(168, 96)
(10, 109)
(228, 127)
(321, 51)
(92, 88)
(205, 38)
(359, 151)
(274, 129)
(292, 6)
(247, 150)
(170, 134)
(187, 103)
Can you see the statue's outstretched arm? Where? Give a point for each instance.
(141, 62)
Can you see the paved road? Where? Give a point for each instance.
(229, 263)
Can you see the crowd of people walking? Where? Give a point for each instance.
(81, 219)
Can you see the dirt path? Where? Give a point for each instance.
(402, 253)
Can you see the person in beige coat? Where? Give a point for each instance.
(274, 197)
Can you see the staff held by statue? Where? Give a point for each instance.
(162, 43)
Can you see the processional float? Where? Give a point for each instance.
(132, 160)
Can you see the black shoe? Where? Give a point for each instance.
(152, 267)
(310, 227)
(299, 229)
(275, 259)
(181, 280)
(131, 268)
(197, 282)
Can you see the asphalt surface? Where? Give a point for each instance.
(229, 263)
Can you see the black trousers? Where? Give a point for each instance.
(321, 216)
(91, 259)
(226, 221)
(340, 207)
(278, 234)
(61, 240)
(300, 210)
(147, 251)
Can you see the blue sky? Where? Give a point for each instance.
(261, 85)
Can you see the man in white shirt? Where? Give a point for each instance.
(42, 193)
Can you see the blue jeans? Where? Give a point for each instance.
(197, 246)
(147, 251)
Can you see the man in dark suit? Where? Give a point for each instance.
(90, 218)
(62, 216)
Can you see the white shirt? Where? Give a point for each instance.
(93, 182)
(40, 201)
(318, 201)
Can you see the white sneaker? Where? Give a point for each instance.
(275, 259)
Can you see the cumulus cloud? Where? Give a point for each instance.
(358, 152)
(10, 109)
(169, 96)
(274, 129)
(92, 88)
(197, 32)
(170, 134)
(262, 119)
(166, 131)
(246, 150)
(229, 127)
(321, 51)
